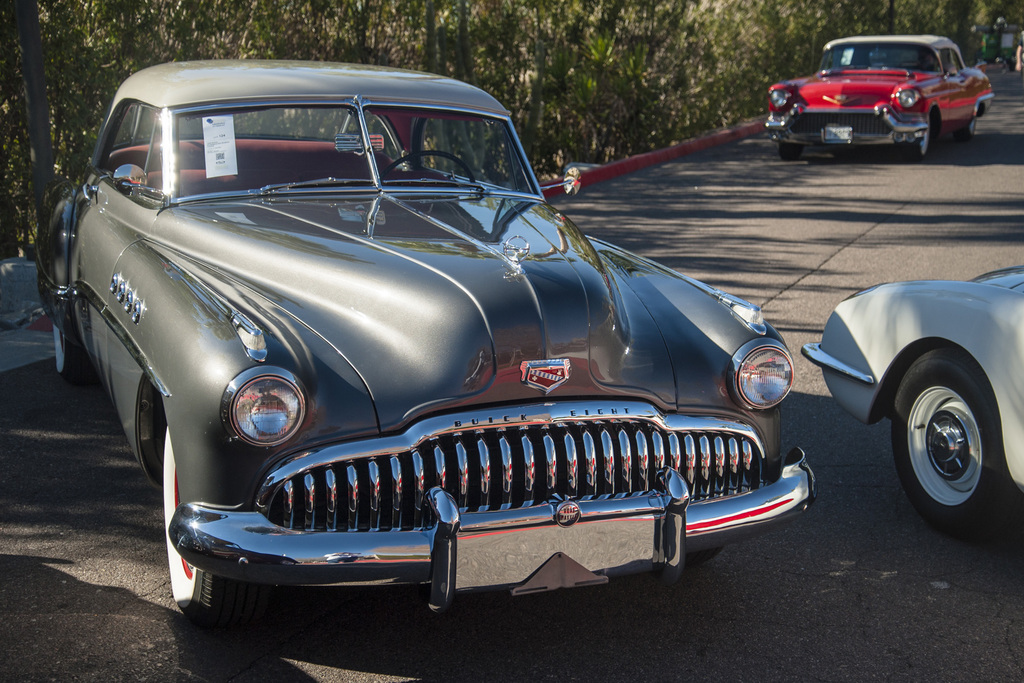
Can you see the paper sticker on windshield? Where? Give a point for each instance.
(219, 142)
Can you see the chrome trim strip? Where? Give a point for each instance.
(364, 131)
(353, 497)
(627, 458)
(419, 477)
(590, 456)
(659, 452)
(719, 456)
(374, 495)
(691, 457)
(643, 462)
(705, 457)
(309, 498)
(440, 467)
(985, 100)
(913, 126)
(572, 462)
(531, 464)
(396, 494)
(251, 336)
(551, 463)
(814, 354)
(332, 500)
(462, 459)
(608, 457)
(506, 470)
(245, 546)
(113, 321)
(485, 468)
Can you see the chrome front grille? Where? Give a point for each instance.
(862, 123)
(503, 467)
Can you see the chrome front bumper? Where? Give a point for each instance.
(524, 549)
(907, 128)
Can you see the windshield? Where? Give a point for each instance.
(281, 148)
(248, 149)
(427, 146)
(881, 56)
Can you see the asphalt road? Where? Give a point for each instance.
(859, 588)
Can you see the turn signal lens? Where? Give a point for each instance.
(763, 375)
(267, 410)
(779, 97)
(908, 97)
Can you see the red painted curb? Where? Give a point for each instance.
(632, 164)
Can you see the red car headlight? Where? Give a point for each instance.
(779, 97)
(908, 97)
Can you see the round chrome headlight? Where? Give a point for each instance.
(265, 410)
(762, 373)
(908, 97)
(779, 97)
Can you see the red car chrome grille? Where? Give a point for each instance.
(502, 467)
(866, 123)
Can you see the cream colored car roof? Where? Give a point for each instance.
(180, 84)
(936, 42)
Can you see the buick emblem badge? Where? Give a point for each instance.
(567, 513)
(545, 374)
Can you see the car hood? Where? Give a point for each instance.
(425, 301)
(850, 88)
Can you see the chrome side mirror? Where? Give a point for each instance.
(131, 180)
(571, 182)
(128, 177)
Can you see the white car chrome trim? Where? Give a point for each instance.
(814, 354)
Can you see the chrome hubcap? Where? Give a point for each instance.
(944, 444)
(947, 445)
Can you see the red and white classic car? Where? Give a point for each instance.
(904, 90)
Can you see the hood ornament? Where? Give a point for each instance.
(516, 248)
(838, 99)
(545, 375)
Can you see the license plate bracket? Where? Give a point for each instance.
(837, 135)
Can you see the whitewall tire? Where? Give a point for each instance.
(207, 600)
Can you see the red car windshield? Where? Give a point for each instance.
(880, 56)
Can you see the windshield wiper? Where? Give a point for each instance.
(443, 182)
(306, 184)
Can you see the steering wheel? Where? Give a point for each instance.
(431, 153)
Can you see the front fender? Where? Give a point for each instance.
(181, 337)
(872, 332)
(701, 336)
(190, 345)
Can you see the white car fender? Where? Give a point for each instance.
(869, 331)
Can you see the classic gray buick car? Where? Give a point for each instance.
(351, 341)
